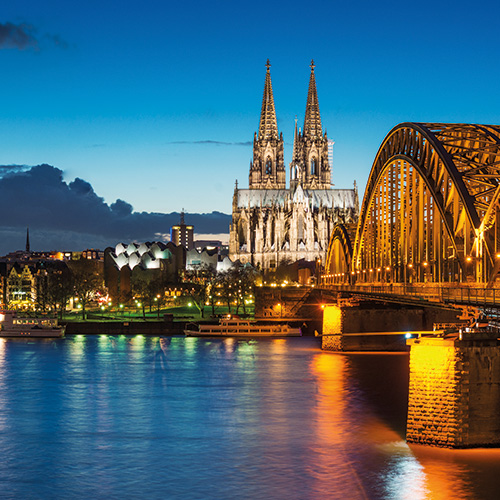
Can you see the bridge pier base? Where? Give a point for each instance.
(454, 396)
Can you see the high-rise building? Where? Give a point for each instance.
(182, 234)
(273, 224)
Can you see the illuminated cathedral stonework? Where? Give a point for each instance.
(273, 224)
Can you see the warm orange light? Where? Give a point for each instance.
(410, 265)
(371, 270)
(378, 270)
(425, 264)
(387, 268)
(468, 258)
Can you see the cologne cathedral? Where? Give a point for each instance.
(273, 224)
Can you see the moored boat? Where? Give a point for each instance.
(12, 326)
(233, 326)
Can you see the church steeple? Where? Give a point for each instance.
(267, 171)
(312, 120)
(27, 240)
(268, 126)
(312, 148)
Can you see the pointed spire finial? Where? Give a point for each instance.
(182, 217)
(312, 119)
(28, 240)
(268, 125)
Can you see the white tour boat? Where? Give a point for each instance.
(232, 326)
(12, 326)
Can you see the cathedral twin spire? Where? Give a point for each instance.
(268, 126)
(309, 165)
(312, 119)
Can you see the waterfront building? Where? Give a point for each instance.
(20, 287)
(272, 224)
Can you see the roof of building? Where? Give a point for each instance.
(329, 198)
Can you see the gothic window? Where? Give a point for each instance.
(314, 166)
(269, 166)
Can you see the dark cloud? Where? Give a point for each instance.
(17, 36)
(73, 217)
(23, 37)
(10, 169)
(216, 143)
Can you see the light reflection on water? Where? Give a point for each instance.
(148, 417)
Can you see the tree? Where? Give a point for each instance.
(88, 282)
(59, 286)
(197, 282)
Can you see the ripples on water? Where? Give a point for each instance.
(136, 417)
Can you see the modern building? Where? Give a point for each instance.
(273, 224)
(182, 234)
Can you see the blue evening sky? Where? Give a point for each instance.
(124, 94)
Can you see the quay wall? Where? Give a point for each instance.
(454, 393)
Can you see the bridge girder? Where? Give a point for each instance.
(431, 205)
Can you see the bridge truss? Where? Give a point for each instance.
(430, 210)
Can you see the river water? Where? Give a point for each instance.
(91, 417)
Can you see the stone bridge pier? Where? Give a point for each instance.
(454, 396)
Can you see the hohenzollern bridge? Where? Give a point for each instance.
(429, 222)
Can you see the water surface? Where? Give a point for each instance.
(185, 418)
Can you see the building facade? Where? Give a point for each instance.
(182, 234)
(273, 224)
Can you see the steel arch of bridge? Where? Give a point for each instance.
(430, 209)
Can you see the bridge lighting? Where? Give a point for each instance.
(425, 264)
(378, 270)
(371, 270)
(498, 255)
(387, 268)
(410, 265)
(468, 258)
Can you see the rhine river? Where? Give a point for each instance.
(103, 417)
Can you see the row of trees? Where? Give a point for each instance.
(233, 288)
(83, 280)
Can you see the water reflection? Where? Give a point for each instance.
(129, 417)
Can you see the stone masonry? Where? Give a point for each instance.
(454, 394)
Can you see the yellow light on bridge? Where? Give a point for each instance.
(410, 265)
(387, 268)
(425, 264)
(468, 258)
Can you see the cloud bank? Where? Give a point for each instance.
(71, 216)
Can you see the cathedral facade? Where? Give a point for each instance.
(274, 224)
